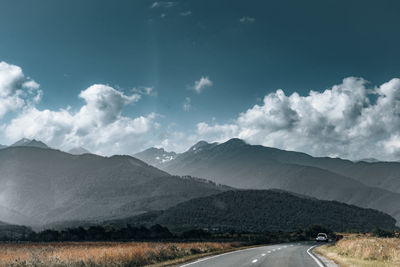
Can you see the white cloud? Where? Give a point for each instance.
(246, 19)
(187, 104)
(186, 13)
(145, 91)
(201, 84)
(16, 90)
(216, 132)
(90, 126)
(163, 4)
(340, 121)
(98, 124)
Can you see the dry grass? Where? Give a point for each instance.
(364, 251)
(102, 253)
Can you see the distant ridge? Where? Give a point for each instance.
(78, 151)
(238, 164)
(263, 210)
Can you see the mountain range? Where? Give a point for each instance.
(261, 211)
(25, 142)
(41, 185)
(240, 165)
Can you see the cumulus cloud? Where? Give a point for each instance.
(350, 120)
(201, 84)
(98, 124)
(16, 90)
(247, 20)
(187, 104)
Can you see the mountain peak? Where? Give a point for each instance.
(156, 156)
(30, 143)
(198, 145)
(235, 142)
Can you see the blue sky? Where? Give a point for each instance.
(246, 49)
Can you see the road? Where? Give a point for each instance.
(281, 255)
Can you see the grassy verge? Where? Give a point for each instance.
(363, 251)
(108, 253)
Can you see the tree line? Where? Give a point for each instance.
(158, 232)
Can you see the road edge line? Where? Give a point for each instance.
(315, 258)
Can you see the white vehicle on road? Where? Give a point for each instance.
(322, 237)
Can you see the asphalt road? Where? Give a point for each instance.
(281, 255)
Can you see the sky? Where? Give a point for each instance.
(117, 77)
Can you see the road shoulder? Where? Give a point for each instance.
(325, 261)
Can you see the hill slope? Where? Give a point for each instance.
(240, 165)
(266, 210)
(9, 231)
(46, 185)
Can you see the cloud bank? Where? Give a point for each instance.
(98, 124)
(350, 120)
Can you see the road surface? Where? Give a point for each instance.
(281, 255)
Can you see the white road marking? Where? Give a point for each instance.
(291, 245)
(313, 257)
(254, 261)
(269, 251)
(263, 254)
(216, 256)
(279, 248)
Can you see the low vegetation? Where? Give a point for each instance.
(364, 251)
(99, 246)
(103, 253)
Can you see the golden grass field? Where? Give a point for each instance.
(103, 253)
(364, 251)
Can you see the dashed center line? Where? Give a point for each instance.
(263, 254)
(269, 251)
(254, 261)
